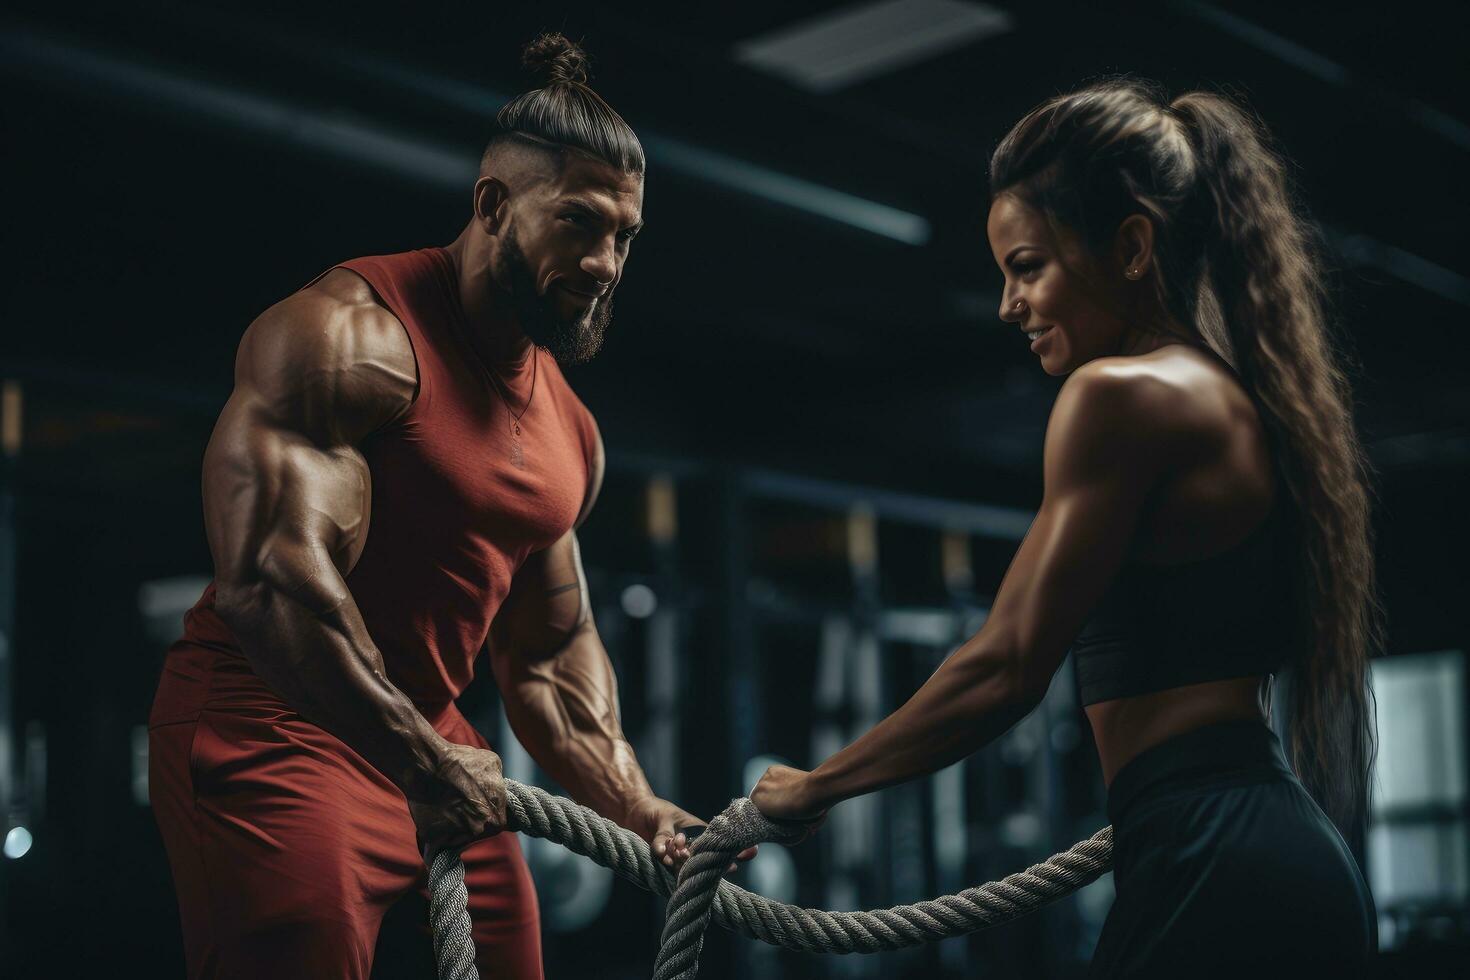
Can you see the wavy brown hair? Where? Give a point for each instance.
(1236, 262)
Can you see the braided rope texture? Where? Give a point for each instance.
(449, 918)
(700, 894)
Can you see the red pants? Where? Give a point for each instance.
(287, 848)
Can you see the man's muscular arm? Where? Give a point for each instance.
(559, 687)
(287, 497)
(561, 695)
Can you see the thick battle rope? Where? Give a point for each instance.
(449, 918)
(699, 891)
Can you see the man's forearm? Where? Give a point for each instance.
(564, 710)
(323, 664)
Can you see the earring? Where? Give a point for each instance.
(1133, 273)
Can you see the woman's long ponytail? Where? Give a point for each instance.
(1261, 258)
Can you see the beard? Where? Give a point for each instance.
(574, 340)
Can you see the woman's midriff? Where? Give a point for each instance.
(1124, 727)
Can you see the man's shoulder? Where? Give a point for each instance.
(341, 305)
(331, 342)
(343, 287)
(335, 322)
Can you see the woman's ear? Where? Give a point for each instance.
(1133, 246)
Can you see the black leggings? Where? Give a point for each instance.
(1224, 866)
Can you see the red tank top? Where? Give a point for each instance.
(456, 504)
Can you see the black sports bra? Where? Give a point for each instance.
(1162, 626)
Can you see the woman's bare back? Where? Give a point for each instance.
(1206, 508)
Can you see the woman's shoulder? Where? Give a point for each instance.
(1174, 394)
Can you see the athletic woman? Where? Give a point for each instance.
(1204, 526)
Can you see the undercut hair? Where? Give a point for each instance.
(565, 114)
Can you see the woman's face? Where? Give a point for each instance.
(1054, 289)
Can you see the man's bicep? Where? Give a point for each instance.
(596, 468)
(279, 510)
(547, 604)
(331, 371)
(286, 492)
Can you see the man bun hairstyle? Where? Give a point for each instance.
(565, 114)
(556, 59)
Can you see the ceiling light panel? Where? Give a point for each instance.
(853, 44)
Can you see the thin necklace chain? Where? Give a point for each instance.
(515, 420)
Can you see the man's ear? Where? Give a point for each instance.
(491, 199)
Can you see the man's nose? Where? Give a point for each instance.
(601, 265)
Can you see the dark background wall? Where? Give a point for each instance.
(805, 355)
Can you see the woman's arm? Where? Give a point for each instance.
(1114, 432)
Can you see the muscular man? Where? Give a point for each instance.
(394, 484)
